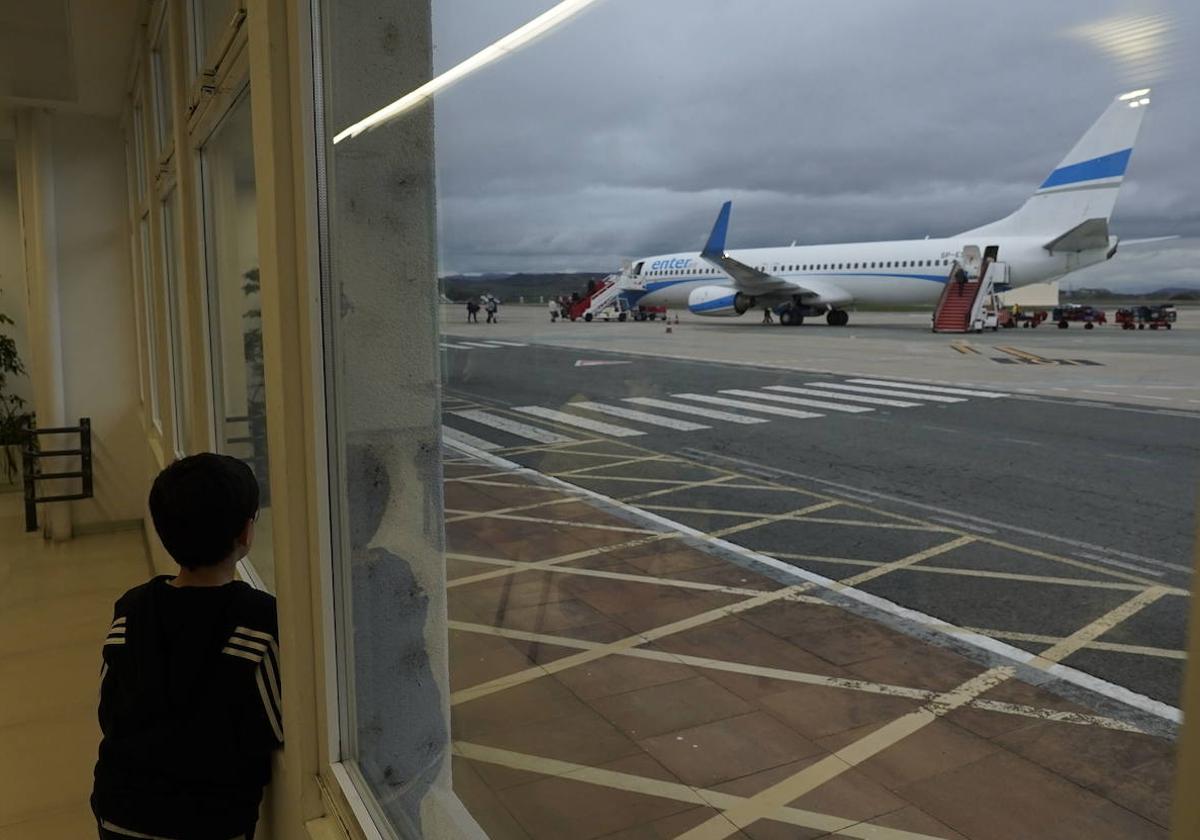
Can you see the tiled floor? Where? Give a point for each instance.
(55, 606)
(623, 683)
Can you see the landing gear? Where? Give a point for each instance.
(790, 318)
(837, 317)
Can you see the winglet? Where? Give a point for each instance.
(715, 247)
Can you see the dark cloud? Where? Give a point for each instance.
(621, 133)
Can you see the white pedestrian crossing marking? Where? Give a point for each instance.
(641, 416)
(758, 395)
(696, 411)
(581, 422)
(862, 389)
(831, 395)
(937, 389)
(455, 435)
(504, 424)
(765, 409)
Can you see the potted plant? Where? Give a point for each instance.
(14, 419)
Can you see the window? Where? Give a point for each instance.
(172, 274)
(212, 20)
(160, 65)
(231, 265)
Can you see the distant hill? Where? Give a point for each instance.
(1177, 294)
(510, 288)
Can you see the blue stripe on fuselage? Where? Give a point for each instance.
(659, 285)
(1105, 166)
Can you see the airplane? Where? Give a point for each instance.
(1061, 228)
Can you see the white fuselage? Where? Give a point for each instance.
(910, 272)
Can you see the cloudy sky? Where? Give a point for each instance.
(620, 134)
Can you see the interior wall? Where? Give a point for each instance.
(100, 367)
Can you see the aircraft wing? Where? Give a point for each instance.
(746, 278)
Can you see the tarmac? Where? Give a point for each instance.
(956, 517)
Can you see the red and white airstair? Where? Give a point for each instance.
(970, 306)
(603, 295)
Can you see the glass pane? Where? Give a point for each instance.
(151, 314)
(384, 426)
(173, 278)
(933, 494)
(163, 99)
(231, 239)
(212, 18)
(711, 529)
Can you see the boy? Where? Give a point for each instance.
(189, 694)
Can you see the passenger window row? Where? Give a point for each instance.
(842, 266)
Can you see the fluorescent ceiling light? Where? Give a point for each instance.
(509, 43)
(1134, 94)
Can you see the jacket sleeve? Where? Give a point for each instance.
(114, 643)
(262, 728)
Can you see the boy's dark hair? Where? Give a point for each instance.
(200, 505)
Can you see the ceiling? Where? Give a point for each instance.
(67, 54)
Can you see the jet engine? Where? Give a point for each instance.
(718, 301)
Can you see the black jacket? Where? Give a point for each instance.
(190, 710)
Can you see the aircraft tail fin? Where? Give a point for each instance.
(1084, 186)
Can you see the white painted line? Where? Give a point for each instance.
(852, 496)
(1106, 561)
(479, 344)
(507, 343)
(499, 345)
(937, 625)
(641, 416)
(765, 409)
(780, 398)
(968, 526)
(788, 389)
(448, 346)
(450, 433)
(581, 422)
(695, 410)
(937, 389)
(1007, 526)
(908, 395)
(504, 424)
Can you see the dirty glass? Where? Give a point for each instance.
(382, 387)
(727, 493)
(812, 461)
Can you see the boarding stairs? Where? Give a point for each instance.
(602, 296)
(971, 306)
